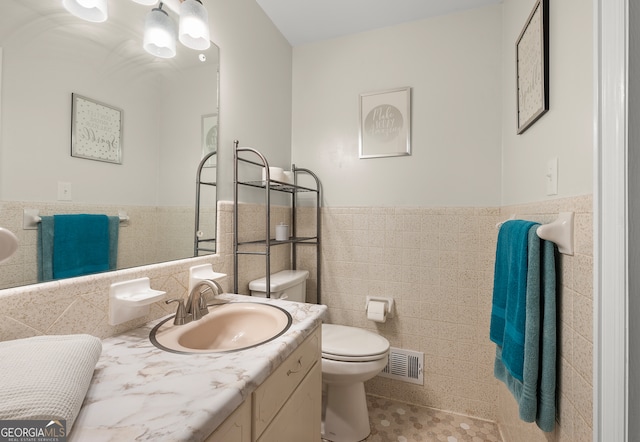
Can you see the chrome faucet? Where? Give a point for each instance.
(196, 306)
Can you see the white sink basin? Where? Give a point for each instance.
(227, 327)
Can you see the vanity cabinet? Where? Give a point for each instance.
(286, 406)
(255, 162)
(235, 428)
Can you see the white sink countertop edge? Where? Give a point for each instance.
(139, 392)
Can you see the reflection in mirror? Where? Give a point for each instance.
(169, 118)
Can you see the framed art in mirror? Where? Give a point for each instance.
(209, 137)
(385, 123)
(96, 130)
(532, 67)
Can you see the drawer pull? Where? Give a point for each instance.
(290, 372)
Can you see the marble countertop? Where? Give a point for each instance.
(139, 392)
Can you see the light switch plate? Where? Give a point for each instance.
(64, 191)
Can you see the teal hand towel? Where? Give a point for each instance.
(80, 245)
(536, 392)
(508, 311)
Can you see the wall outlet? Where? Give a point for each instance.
(64, 191)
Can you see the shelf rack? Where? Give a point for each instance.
(241, 155)
(200, 244)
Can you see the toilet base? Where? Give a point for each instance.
(345, 417)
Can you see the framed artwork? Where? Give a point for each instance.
(209, 137)
(96, 130)
(532, 67)
(385, 123)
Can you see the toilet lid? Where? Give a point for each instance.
(343, 343)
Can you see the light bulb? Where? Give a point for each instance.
(159, 34)
(91, 10)
(194, 25)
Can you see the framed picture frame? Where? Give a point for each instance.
(209, 137)
(96, 130)
(532, 67)
(385, 123)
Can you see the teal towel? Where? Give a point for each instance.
(509, 294)
(80, 248)
(80, 245)
(45, 249)
(114, 232)
(536, 394)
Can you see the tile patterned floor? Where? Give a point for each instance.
(393, 421)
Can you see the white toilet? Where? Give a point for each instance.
(350, 356)
(287, 284)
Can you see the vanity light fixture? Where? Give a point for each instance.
(91, 10)
(194, 25)
(159, 34)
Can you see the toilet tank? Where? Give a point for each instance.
(287, 284)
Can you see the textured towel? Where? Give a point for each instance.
(509, 294)
(114, 233)
(45, 249)
(536, 394)
(80, 245)
(46, 377)
(76, 245)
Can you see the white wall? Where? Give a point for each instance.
(40, 73)
(452, 64)
(566, 130)
(184, 102)
(255, 86)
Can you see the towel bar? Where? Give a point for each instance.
(559, 231)
(31, 218)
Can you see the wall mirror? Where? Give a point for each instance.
(167, 105)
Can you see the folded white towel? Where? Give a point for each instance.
(46, 377)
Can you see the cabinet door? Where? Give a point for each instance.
(275, 391)
(299, 419)
(236, 428)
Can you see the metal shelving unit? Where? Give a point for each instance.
(253, 157)
(200, 243)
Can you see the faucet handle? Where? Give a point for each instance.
(181, 317)
(202, 305)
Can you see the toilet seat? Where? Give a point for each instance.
(351, 344)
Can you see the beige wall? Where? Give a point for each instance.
(152, 234)
(81, 305)
(575, 331)
(437, 263)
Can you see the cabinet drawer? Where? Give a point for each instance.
(274, 392)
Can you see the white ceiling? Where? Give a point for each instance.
(307, 21)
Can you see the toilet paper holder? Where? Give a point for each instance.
(388, 301)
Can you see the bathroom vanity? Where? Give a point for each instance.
(286, 407)
(266, 393)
